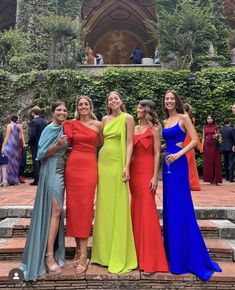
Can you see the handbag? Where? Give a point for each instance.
(3, 159)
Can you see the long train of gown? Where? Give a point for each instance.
(51, 185)
(113, 242)
(185, 247)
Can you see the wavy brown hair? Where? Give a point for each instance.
(179, 103)
(151, 115)
(123, 108)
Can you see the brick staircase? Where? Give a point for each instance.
(215, 223)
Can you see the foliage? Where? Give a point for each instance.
(210, 91)
(193, 26)
(12, 43)
(65, 36)
(28, 62)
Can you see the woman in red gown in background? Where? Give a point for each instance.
(143, 184)
(212, 171)
(81, 177)
(192, 166)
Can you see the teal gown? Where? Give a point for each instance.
(51, 185)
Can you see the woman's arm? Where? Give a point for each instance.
(130, 127)
(7, 136)
(22, 135)
(156, 153)
(190, 130)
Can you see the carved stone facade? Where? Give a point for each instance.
(114, 27)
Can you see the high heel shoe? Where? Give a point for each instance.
(80, 269)
(54, 268)
(76, 258)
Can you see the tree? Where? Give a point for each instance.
(65, 40)
(183, 32)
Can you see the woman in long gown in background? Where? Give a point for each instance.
(45, 248)
(81, 177)
(10, 148)
(113, 241)
(192, 166)
(212, 169)
(143, 184)
(185, 247)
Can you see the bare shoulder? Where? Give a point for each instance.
(105, 118)
(129, 118)
(156, 131)
(185, 118)
(98, 124)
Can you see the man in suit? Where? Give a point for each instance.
(226, 147)
(35, 129)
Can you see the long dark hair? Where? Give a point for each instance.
(179, 103)
(150, 113)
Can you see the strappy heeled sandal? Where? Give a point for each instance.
(54, 268)
(80, 268)
(76, 258)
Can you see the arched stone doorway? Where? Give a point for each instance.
(116, 27)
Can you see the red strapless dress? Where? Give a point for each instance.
(147, 233)
(80, 178)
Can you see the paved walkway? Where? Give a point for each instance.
(210, 195)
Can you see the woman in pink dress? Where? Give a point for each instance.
(212, 171)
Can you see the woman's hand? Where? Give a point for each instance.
(125, 174)
(172, 157)
(153, 185)
(62, 139)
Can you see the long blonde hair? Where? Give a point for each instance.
(109, 111)
(76, 114)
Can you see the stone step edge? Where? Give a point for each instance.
(99, 273)
(226, 229)
(208, 212)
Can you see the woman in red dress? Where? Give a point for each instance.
(143, 184)
(212, 171)
(81, 177)
(192, 166)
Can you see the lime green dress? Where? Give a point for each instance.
(113, 242)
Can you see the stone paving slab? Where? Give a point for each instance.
(210, 195)
(96, 272)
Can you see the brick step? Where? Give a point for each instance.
(12, 249)
(18, 227)
(97, 277)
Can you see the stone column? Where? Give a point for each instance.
(18, 6)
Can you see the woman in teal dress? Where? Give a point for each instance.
(45, 250)
(113, 242)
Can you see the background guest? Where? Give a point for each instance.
(226, 148)
(212, 171)
(10, 148)
(192, 166)
(35, 129)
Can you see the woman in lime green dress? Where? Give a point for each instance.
(113, 242)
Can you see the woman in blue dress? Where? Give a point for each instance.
(45, 250)
(185, 247)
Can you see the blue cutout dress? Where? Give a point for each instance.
(185, 247)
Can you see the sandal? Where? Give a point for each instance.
(76, 258)
(80, 268)
(54, 268)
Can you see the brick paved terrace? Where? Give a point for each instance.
(215, 210)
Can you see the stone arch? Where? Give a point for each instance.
(116, 27)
